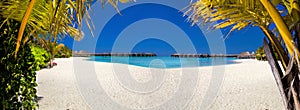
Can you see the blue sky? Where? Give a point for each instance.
(159, 27)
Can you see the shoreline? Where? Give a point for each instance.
(71, 85)
(225, 62)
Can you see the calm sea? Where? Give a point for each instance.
(164, 62)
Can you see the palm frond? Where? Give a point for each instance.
(235, 13)
(55, 17)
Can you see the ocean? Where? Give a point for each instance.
(165, 61)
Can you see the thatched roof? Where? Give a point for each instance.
(245, 55)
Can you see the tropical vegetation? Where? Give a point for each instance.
(260, 54)
(278, 19)
(54, 49)
(41, 56)
(23, 22)
(64, 52)
(17, 75)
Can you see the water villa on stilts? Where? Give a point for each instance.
(115, 54)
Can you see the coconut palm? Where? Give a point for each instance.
(54, 17)
(260, 54)
(47, 19)
(238, 14)
(52, 47)
(44, 16)
(50, 19)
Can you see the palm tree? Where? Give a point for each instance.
(235, 14)
(260, 54)
(52, 47)
(238, 14)
(47, 19)
(53, 19)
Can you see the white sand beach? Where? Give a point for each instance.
(79, 84)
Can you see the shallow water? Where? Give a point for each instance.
(164, 62)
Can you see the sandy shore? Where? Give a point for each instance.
(77, 84)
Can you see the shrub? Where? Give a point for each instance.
(17, 75)
(65, 52)
(41, 57)
(260, 54)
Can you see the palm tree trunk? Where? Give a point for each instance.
(292, 50)
(23, 25)
(281, 26)
(297, 33)
(51, 62)
(276, 72)
(278, 48)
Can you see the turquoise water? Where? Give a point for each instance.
(164, 62)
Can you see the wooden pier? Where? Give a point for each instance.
(204, 55)
(244, 55)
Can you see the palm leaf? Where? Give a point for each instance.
(55, 17)
(241, 12)
(281, 26)
(23, 24)
(238, 14)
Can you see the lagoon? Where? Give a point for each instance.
(165, 61)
